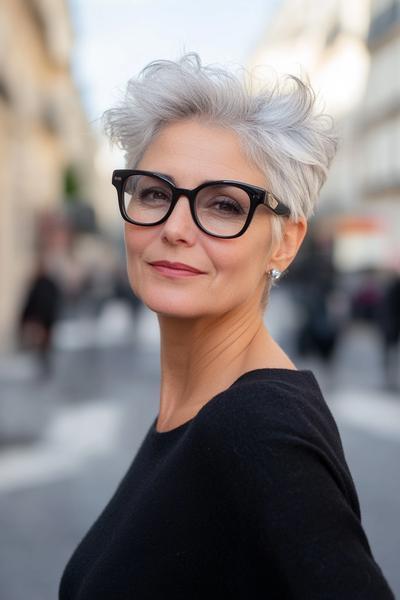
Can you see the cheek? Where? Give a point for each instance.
(242, 264)
(132, 249)
(137, 239)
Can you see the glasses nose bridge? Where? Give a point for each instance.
(177, 194)
(189, 194)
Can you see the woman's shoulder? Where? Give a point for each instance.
(271, 408)
(270, 398)
(273, 420)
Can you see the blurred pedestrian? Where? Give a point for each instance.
(320, 329)
(39, 314)
(366, 299)
(240, 488)
(390, 328)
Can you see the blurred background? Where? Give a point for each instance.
(79, 354)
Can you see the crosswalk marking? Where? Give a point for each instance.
(373, 411)
(75, 435)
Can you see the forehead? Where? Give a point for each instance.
(192, 152)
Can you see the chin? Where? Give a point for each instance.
(175, 310)
(183, 306)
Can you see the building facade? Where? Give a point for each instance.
(351, 53)
(379, 125)
(43, 134)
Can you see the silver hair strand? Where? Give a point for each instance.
(279, 126)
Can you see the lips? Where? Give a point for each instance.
(175, 266)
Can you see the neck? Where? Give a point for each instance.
(202, 357)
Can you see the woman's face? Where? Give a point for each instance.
(233, 271)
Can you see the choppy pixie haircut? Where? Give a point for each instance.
(280, 128)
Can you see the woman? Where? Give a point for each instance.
(240, 488)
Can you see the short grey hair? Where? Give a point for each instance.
(279, 126)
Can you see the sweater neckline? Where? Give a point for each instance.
(254, 374)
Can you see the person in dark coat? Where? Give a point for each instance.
(390, 328)
(39, 314)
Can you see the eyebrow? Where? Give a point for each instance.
(173, 181)
(169, 177)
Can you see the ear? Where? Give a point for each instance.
(292, 238)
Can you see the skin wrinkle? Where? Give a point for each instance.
(225, 344)
(202, 361)
(245, 348)
(226, 341)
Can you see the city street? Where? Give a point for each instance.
(84, 425)
(133, 134)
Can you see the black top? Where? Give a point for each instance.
(252, 498)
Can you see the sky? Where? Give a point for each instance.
(115, 39)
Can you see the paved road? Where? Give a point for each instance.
(102, 402)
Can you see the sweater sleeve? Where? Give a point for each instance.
(279, 466)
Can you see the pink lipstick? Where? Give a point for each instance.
(175, 269)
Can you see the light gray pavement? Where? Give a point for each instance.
(94, 413)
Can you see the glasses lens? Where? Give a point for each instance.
(222, 209)
(146, 198)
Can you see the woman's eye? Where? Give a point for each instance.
(153, 194)
(227, 205)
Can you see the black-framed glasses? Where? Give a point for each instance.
(222, 209)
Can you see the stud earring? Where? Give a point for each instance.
(275, 274)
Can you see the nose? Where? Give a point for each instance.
(180, 225)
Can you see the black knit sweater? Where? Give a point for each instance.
(252, 498)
